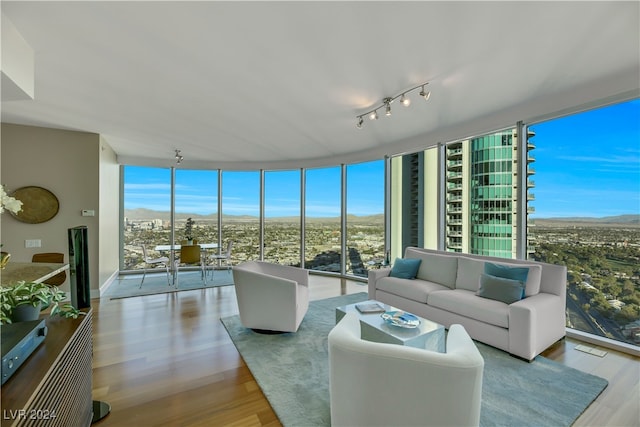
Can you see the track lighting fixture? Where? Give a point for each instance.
(426, 95)
(386, 103)
(179, 157)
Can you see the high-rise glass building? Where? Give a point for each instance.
(480, 195)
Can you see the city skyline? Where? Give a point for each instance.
(582, 160)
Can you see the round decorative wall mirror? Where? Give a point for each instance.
(38, 204)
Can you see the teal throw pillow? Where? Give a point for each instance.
(500, 289)
(405, 268)
(507, 272)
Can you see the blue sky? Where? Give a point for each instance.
(586, 164)
(196, 191)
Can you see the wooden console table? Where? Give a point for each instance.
(53, 386)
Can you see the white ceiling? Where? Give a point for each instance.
(279, 84)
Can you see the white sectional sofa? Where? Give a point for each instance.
(446, 288)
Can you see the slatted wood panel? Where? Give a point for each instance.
(53, 388)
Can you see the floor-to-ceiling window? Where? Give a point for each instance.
(282, 217)
(365, 217)
(587, 206)
(241, 214)
(147, 212)
(196, 197)
(322, 219)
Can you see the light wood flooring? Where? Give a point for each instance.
(167, 360)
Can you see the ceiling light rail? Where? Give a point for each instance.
(386, 103)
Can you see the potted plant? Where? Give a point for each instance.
(25, 300)
(188, 230)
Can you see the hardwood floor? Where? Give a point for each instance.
(167, 360)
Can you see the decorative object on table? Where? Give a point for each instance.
(4, 259)
(38, 205)
(9, 203)
(401, 319)
(372, 307)
(188, 231)
(33, 297)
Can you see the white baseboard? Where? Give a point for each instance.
(97, 293)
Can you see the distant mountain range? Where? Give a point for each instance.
(630, 220)
(148, 214)
(142, 214)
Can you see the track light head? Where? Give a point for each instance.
(373, 115)
(179, 157)
(405, 101)
(387, 103)
(359, 124)
(425, 95)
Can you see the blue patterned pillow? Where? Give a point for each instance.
(405, 268)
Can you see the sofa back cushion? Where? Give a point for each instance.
(469, 271)
(441, 269)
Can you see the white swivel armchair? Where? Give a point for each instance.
(271, 297)
(376, 384)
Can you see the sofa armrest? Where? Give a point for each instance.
(535, 323)
(374, 276)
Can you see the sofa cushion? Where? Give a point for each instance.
(500, 288)
(436, 268)
(510, 271)
(468, 304)
(405, 268)
(415, 290)
(469, 271)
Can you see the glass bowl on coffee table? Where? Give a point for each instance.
(391, 325)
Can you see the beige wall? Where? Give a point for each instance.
(109, 215)
(81, 170)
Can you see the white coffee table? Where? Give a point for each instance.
(428, 335)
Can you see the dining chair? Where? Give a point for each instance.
(152, 262)
(223, 257)
(51, 257)
(190, 255)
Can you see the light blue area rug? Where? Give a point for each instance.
(156, 283)
(292, 371)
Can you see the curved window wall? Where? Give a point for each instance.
(261, 213)
(473, 196)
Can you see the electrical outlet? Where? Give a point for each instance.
(33, 243)
(88, 212)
